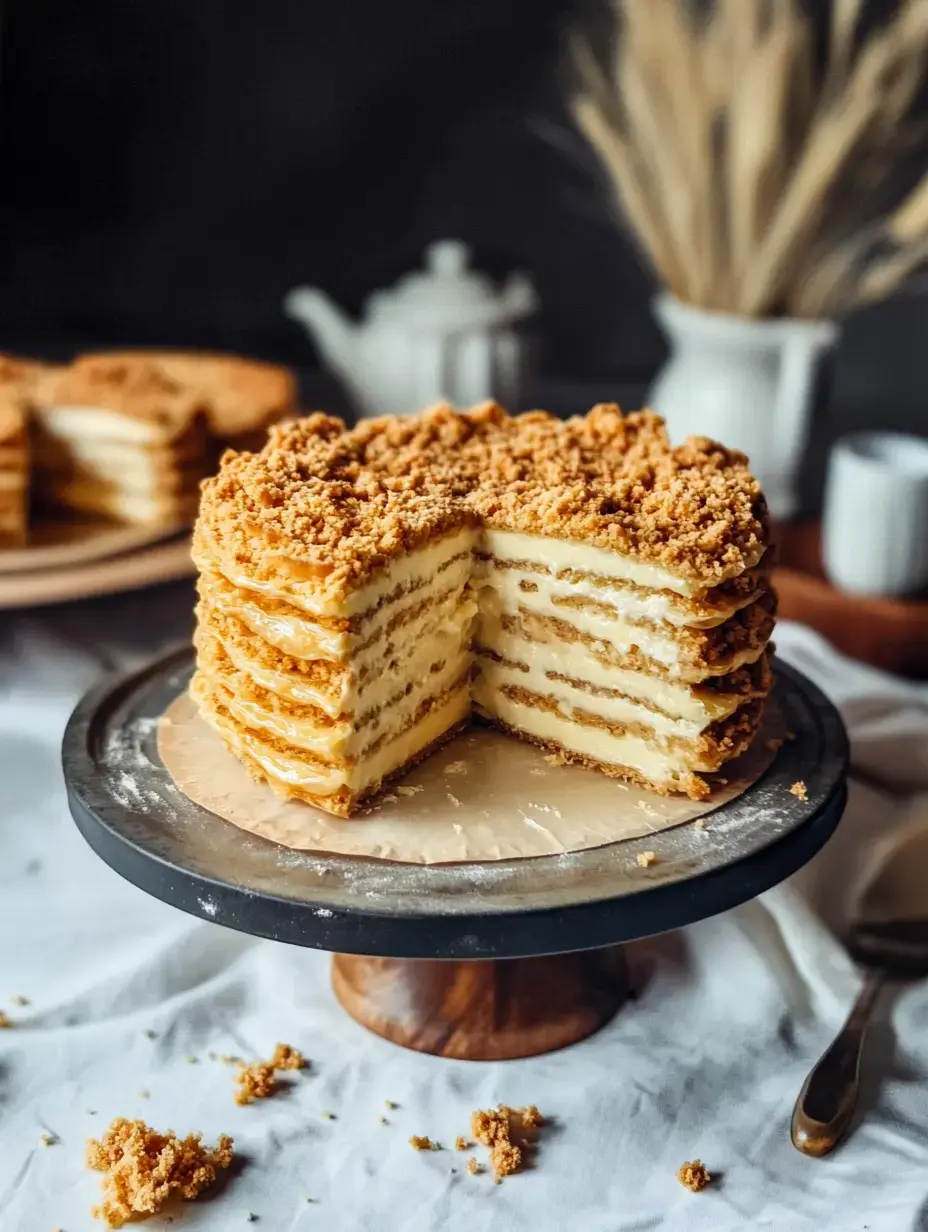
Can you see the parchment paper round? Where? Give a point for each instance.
(483, 796)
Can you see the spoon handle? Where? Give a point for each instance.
(828, 1097)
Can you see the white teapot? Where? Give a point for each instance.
(445, 335)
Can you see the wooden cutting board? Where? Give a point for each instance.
(891, 634)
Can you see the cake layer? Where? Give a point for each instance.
(122, 506)
(291, 774)
(702, 747)
(295, 633)
(285, 580)
(598, 567)
(390, 707)
(352, 686)
(668, 767)
(113, 456)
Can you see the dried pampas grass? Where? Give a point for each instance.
(756, 183)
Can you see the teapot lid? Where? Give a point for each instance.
(450, 295)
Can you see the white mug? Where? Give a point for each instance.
(875, 527)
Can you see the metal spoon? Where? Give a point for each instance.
(889, 938)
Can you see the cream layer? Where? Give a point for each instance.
(659, 765)
(305, 586)
(628, 602)
(546, 653)
(84, 423)
(559, 554)
(342, 741)
(141, 479)
(109, 456)
(123, 506)
(286, 771)
(441, 634)
(298, 635)
(652, 641)
(613, 709)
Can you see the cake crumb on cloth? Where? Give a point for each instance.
(497, 1129)
(142, 1169)
(287, 1057)
(423, 1143)
(255, 1081)
(695, 1176)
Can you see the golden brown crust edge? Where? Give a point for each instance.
(341, 503)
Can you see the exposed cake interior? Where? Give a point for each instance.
(330, 672)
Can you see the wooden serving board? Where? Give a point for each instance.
(891, 634)
(159, 562)
(56, 543)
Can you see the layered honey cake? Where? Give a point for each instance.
(241, 397)
(580, 584)
(14, 471)
(18, 381)
(120, 439)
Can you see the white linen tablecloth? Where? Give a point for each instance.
(707, 1063)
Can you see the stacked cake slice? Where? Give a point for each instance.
(14, 472)
(119, 438)
(18, 380)
(580, 584)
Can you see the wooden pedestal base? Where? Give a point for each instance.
(491, 1010)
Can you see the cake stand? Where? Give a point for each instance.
(476, 961)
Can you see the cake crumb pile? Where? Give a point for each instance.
(422, 1143)
(257, 1080)
(142, 1169)
(694, 1176)
(496, 1129)
(287, 1057)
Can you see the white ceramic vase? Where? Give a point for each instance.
(747, 383)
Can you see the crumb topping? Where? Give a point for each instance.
(134, 386)
(332, 505)
(798, 790)
(694, 1175)
(238, 395)
(142, 1168)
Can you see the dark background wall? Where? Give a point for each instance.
(172, 167)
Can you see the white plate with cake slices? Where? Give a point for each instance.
(140, 564)
(67, 542)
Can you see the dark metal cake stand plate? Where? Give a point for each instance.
(486, 960)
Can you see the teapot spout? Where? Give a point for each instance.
(326, 324)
